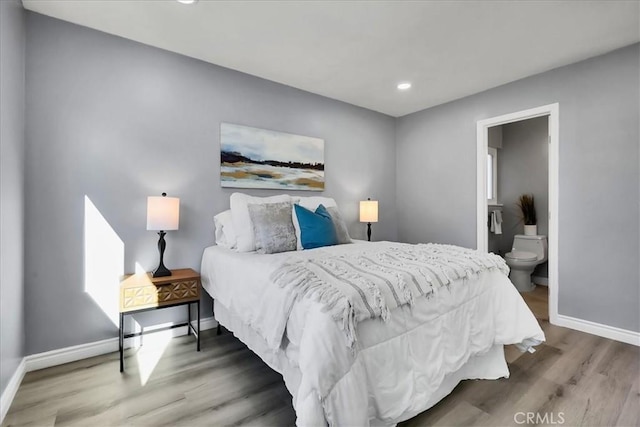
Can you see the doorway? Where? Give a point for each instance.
(552, 112)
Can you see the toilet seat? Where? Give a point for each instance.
(521, 256)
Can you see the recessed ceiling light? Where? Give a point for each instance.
(404, 85)
(187, 1)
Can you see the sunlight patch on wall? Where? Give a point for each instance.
(139, 268)
(103, 261)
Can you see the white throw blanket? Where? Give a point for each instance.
(357, 286)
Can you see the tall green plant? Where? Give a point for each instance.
(527, 209)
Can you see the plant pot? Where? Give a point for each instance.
(530, 230)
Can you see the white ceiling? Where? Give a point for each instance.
(358, 51)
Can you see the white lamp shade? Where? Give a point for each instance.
(163, 213)
(369, 211)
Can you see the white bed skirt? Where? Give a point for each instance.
(489, 365)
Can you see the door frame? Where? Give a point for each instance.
(553, 113)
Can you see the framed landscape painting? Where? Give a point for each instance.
(258, 158)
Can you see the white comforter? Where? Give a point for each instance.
(396, 366)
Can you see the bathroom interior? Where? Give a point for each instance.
(518, 164)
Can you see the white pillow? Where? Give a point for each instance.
(342, 232)
(242, 224)
(225, 233)
(312, 204)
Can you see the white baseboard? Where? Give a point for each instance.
(11, 389)
(61, 356)
(70, 354)
(611, 332)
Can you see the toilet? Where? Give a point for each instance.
(526, 253)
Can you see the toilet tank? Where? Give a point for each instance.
(535, 244)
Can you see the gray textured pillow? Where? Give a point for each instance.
(272, 227)
(338, 223)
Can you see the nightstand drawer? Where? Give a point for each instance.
(143, 291)
(158, 295)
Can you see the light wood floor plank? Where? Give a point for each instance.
(631, 408)
(590, 380)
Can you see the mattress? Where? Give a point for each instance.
(397, 369)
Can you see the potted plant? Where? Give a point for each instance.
(528, 212)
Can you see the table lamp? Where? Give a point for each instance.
(163, 214)
(369, 214)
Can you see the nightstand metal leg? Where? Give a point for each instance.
(198, 334)
(121, 342)
(189, 319)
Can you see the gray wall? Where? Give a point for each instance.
(12, 119)
(599, 178)
(495, 137)
(523, 167)
(118, 121)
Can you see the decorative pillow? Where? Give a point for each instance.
(272, 227)
(341, 228)
(316, 228)
(225, 234)
(312, 204)
(242, 221)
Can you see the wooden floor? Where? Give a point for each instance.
(538, 302)
(573, 379)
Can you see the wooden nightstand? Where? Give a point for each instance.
(141, 292)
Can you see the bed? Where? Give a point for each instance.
(343, 367)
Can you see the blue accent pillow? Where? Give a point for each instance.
(316, 228)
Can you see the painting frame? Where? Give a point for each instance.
(255, 158)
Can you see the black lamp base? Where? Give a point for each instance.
(161, 271)
(369, 231)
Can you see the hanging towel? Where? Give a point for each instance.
(492, 222)
(496, 224)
